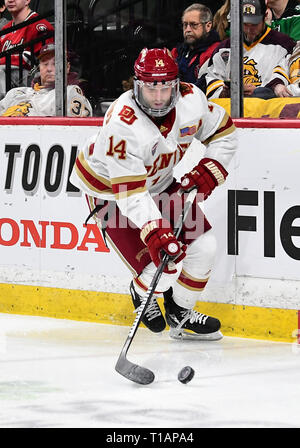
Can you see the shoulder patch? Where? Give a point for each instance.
(41, 27)
(127, 115)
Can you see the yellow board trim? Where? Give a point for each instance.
(110, 308)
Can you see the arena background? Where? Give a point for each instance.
(52, 265)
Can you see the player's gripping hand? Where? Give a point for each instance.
(159, 237)
(205, 176)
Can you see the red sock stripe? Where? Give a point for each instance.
(144, 287)
(192, 283)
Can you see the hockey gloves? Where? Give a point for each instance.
(158, 236)
(205, 176)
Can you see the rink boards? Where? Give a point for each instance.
(53, 265)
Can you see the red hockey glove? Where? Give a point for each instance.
(158, 236)
(205, 176)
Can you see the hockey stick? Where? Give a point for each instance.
(129, 370)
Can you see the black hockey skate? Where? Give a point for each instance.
(153, 318)
(189, 324)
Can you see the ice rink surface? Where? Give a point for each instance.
(60, 374)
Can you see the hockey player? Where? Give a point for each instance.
(130, 162)
(39, 100)
(266, 55)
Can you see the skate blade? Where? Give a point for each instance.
(185, 335)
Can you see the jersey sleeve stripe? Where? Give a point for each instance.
(213, 86)
(89, 178)
(280, 71)
(123, 194)
(226, 127)
(86, 166)
(128, 188)
(128, 179)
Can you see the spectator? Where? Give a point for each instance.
(221, 21)
(127, 84)
(199, 42)
(294, 72)
(3, 20)
(21, 12)
(285, 17)
(266, 58)
(39, 100)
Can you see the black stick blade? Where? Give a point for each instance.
(134, 372)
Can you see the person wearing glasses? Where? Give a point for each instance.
(199, 42)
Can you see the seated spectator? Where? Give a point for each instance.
(127, 84)
(285, 17)
(221, 20)
(294, 72)
(21, 12)
(266, 57)
(3, 20)
(39, 100)
(199, 42)
(76, 69)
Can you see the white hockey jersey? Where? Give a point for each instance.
(131, 158)
(294, 87)
(266, 62)
(40, 102)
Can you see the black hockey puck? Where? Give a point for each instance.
(186, 374)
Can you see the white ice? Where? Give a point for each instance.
(60, 374)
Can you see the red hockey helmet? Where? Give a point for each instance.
(154, 66)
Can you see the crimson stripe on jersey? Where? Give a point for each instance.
(97, 184)
(128, 186)
(192, 283)
(227, 125)
(143, 286)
